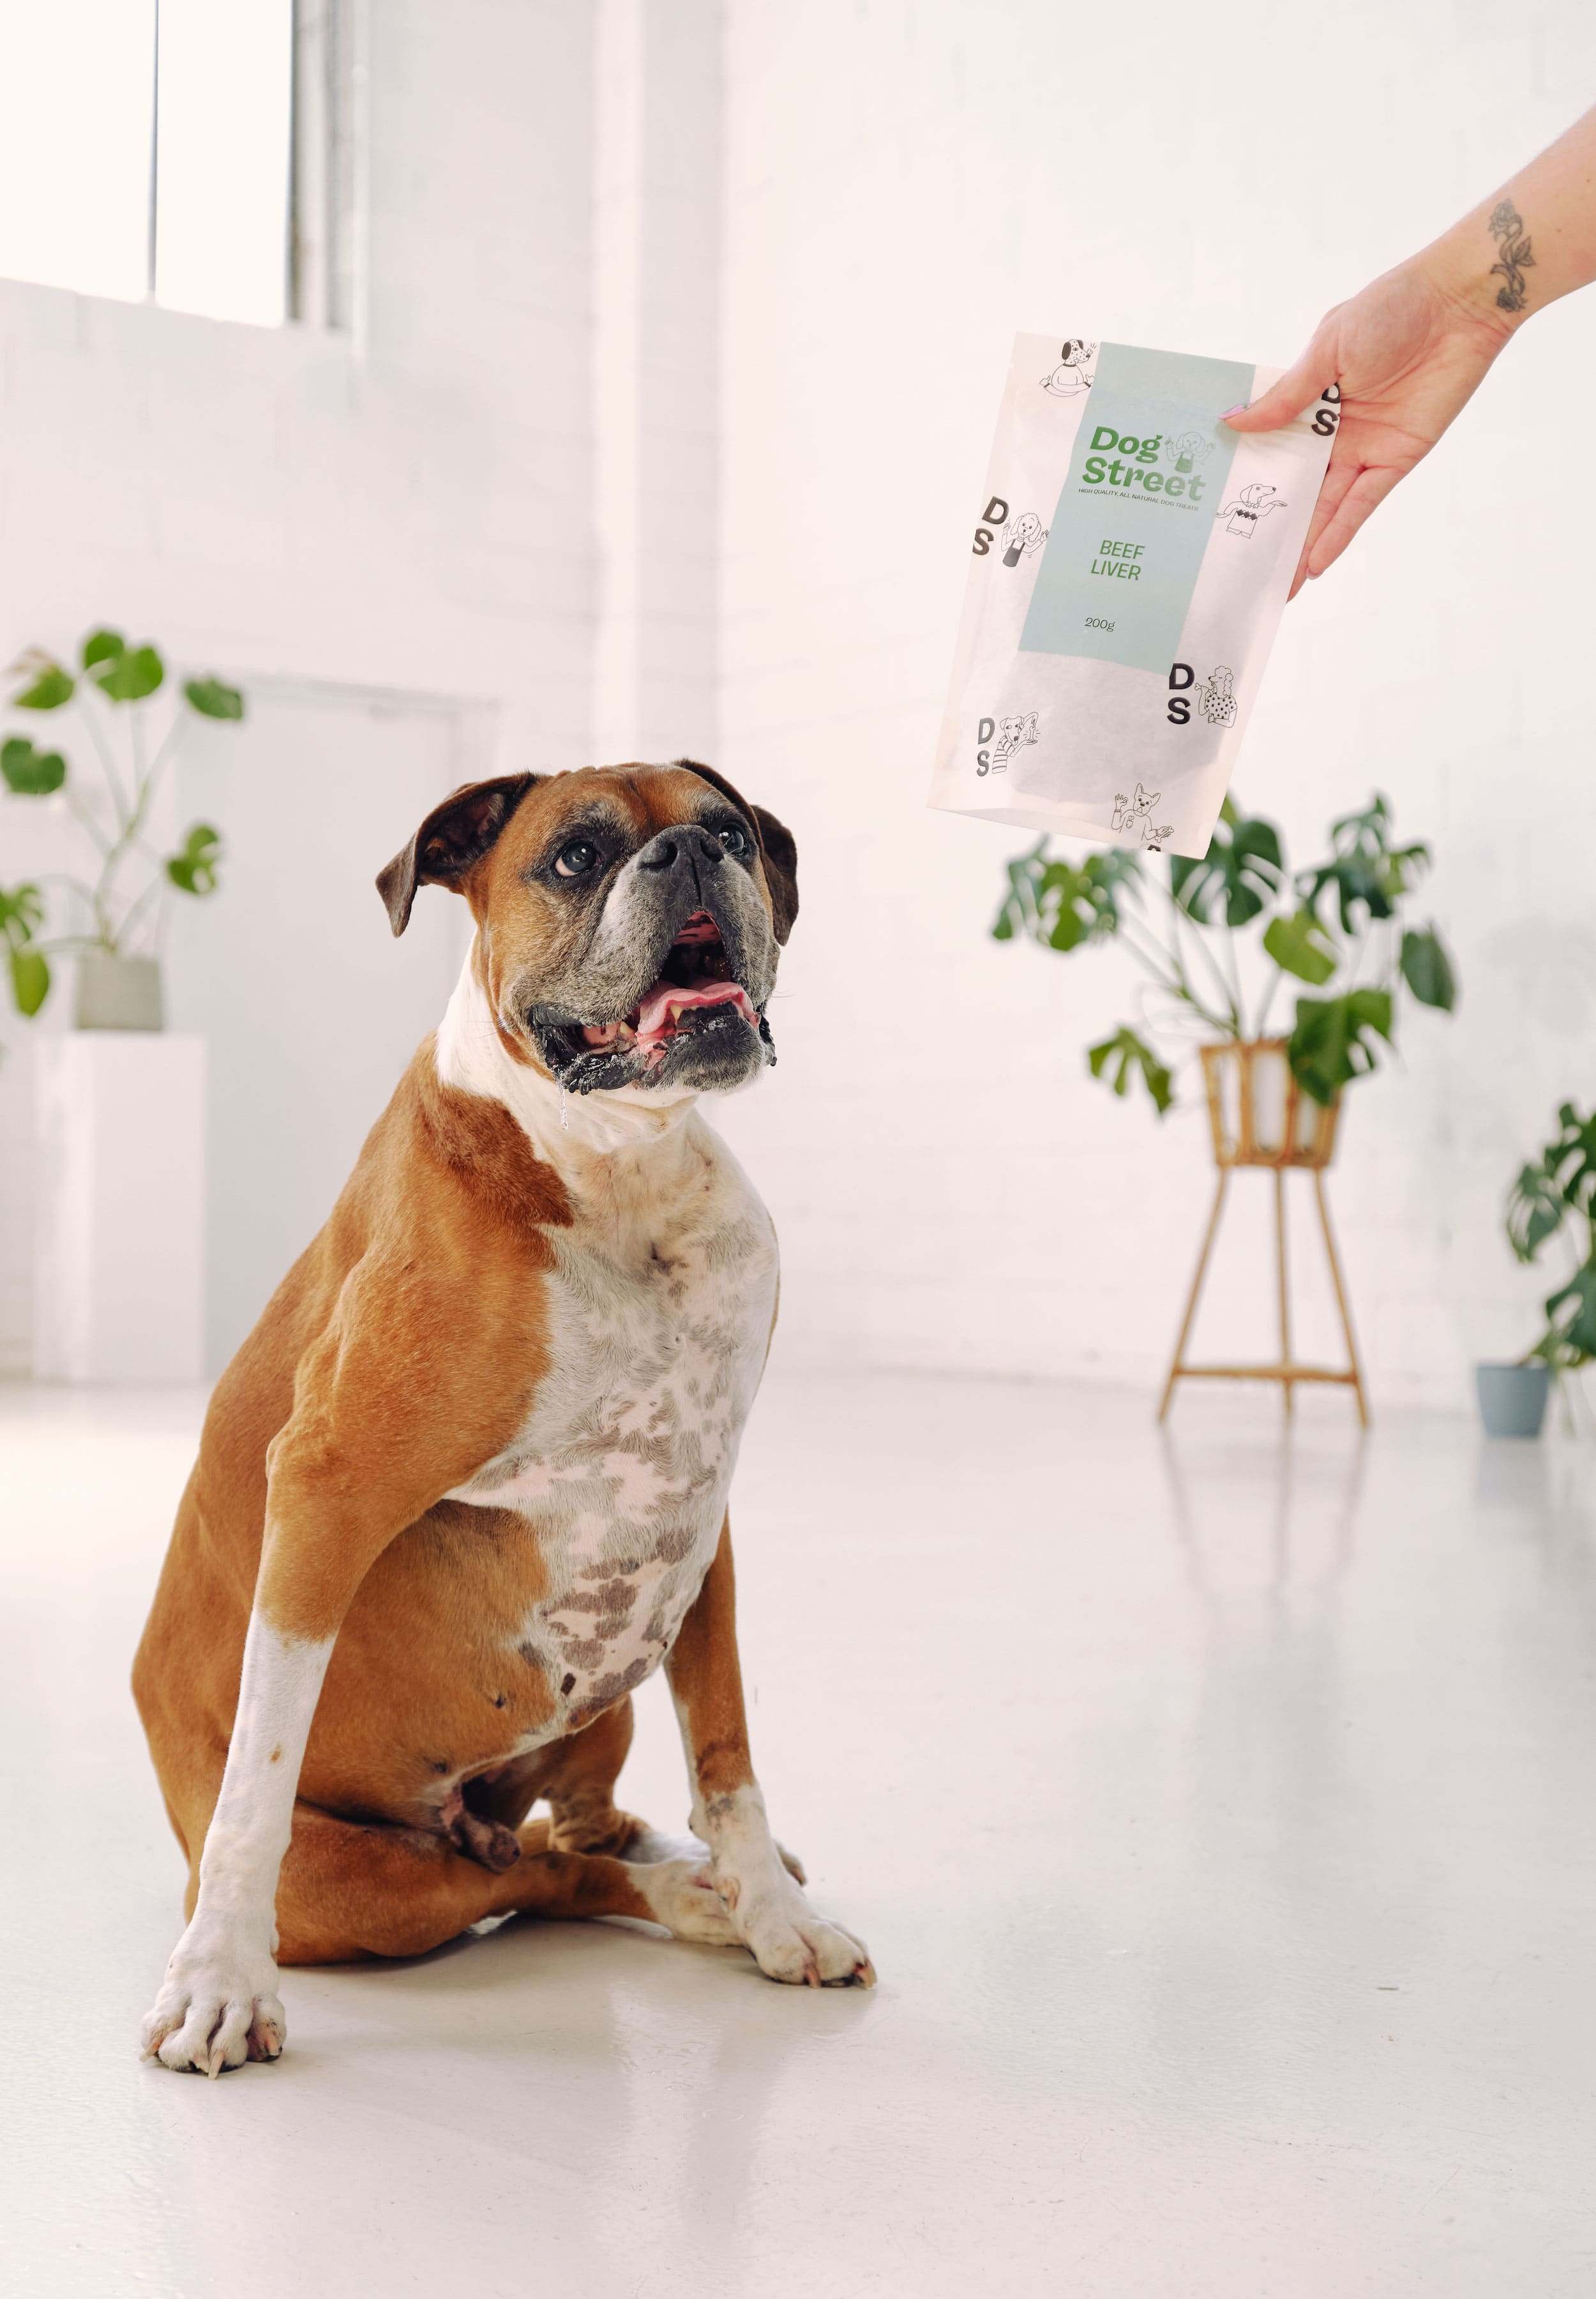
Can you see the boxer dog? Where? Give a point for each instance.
(464, 1486)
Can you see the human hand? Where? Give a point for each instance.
(1408, 353)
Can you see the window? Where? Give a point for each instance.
(146, 148)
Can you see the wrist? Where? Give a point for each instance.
(1459, 270)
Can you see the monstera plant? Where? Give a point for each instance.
(112, 912)
(1558, 1195)
(1340, 929)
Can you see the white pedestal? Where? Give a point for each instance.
(119, 1258)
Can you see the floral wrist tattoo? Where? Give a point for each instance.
(1507, 229)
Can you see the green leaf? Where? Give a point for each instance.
(103, 646)
(20, 910)
(48, 687)
(133, 674)
(1427, 970)
(213, 699)
(1536, 1207)
(1364, 871)
(193, 866)
(31, 773)
(29, 980)
(1060, 904)
(1121, 1057)
(1572, 1315)
(1332, 1042)
(1300, 945)
(1244, 869)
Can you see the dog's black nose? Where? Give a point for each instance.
(685, 848)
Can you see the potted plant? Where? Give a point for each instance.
(1555, 1196)
(1273, 1100)
(1340, 927)
(114, 931)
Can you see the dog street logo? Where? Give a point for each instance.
(1215, 698)
(992, 758)
(1133, 816)
(1018, 537)
(1254, 503)
(1070, 374)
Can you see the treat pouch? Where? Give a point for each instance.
(1127, 573)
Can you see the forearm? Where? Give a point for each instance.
(1528, 243)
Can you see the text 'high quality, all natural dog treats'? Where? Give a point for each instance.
(1130, 565)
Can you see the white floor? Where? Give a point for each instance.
(1218, 1811)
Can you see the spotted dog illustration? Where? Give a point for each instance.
(1186, 450)
(1254, 503)
(1013, 735)
(1022, 534)
(1134, 817)
(1215, 698)
(1070, 374)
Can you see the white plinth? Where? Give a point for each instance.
(119, 1258)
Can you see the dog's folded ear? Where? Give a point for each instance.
(778, 850)
(454, 835)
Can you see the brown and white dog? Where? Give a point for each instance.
(465, 1484)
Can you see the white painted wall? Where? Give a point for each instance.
(907, 182)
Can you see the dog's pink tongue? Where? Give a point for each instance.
(657, 1015)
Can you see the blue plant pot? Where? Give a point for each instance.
(1512, 1398)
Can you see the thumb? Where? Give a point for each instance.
(1297, 388)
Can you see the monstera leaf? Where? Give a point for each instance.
(1427, 970)
(1241, 872)
(1063, 904)
(1300, 945)
(1333, 1041)
(1118, 1060)
(1571, 1315)
(1364, 871)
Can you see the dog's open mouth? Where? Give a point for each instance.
(695, 995)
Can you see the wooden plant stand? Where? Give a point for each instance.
(1260, 1117)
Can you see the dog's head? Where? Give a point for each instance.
(630, 919)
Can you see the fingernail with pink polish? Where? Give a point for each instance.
(1229, 411)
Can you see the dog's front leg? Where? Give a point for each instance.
(760, 1885)
(330, 1511)
(218, 2004)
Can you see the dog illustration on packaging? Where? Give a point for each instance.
(1133, 817)
(1070, 374)
(1217, 700)
(1255, 502)
(1023, 534)
(1013, 735)
(1187, 451)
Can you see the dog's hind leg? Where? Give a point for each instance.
(348, 1892)
(580, 1786)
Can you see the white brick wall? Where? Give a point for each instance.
(907, 182)
(775, 543)
(407, 509)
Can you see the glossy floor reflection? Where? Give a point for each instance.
(1217, 1809)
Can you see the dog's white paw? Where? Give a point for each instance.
(215, 2012)
(681, 1895)
(788, 1941)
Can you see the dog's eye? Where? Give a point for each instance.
(575, 860)
(734, 841)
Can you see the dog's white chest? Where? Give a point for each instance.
(659, 1320)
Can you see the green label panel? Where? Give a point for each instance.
(1146, 476)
